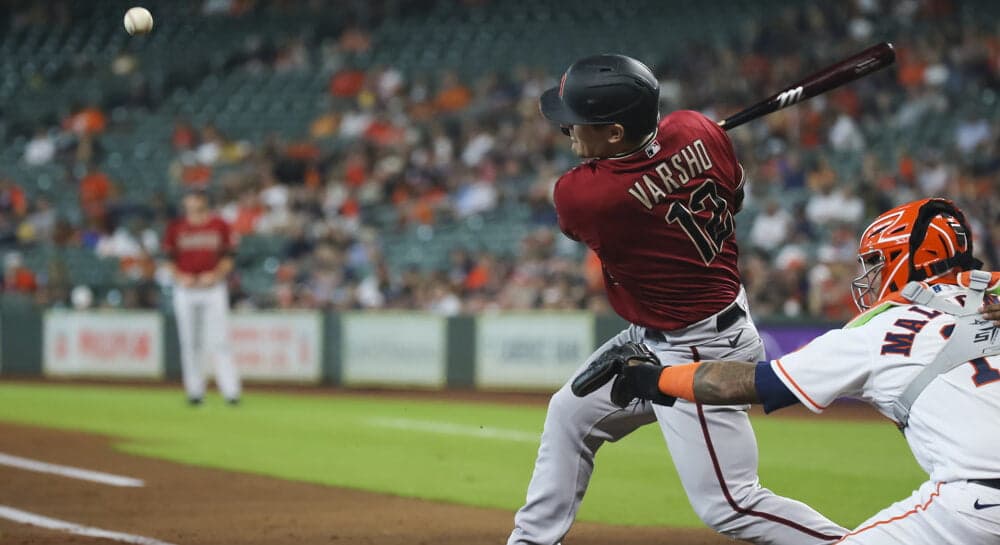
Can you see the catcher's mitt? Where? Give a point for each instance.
(608, 365)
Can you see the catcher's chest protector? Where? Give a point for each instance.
(973, 337)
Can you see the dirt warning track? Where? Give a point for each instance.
(185, 505)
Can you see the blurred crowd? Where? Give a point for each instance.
(393, 154)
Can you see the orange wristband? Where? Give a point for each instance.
(678, 381)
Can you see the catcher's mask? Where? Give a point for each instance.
(926, 240)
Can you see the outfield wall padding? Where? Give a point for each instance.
(507, 350)
(20, 336)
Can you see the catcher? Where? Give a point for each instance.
(920, 353)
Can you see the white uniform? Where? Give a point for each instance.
(953, 428)
(203, 331)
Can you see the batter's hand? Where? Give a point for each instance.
(991, 312)
(607, 365)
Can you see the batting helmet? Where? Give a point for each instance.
(605, 89)
(924, 240)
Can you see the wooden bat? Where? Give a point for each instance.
(874, 58)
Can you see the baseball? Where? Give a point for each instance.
(138, 21)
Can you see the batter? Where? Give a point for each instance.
(655, 200)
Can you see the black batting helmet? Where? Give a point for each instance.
(605, 89)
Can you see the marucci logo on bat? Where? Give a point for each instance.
(789, 97)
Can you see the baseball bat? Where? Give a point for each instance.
(859, 65)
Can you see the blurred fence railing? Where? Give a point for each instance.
(510, 350)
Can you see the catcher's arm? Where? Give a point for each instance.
(716, 383)
(725, 382)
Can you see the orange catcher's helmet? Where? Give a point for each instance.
(927, 240)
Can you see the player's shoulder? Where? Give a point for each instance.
(578, 179)
(587, 191)
(886, 310)
(993, 286)
(689, 119)
(690, 116)
(585, 170)
(682, 126)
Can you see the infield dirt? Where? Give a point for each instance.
(187, 505)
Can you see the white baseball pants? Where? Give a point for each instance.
(957, 512)
(203, 327)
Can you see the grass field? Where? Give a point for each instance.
(476, 454)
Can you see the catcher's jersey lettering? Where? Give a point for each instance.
(898, 343)
(902, 343)
(679, 192)
(947, 330)
(930, 314)
(985, 373)
(912, 325)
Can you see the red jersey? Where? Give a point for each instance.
(661, 220)
(196, 249)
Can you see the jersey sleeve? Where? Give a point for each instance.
(836, 364)
(575, 218)
(563, 213)
(771, 391)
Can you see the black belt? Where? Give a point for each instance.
(723, 321)
(992, 483)
(728, 318)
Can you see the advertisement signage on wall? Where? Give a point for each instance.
(277, 346)
(103, 344)
(531, 350)
(393, 349)
(783, 339)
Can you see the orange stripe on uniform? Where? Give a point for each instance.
(917, 508)
(799, 388)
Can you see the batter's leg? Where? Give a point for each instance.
(715, 452)
(217, 336)
(574, 429)
(184, 312)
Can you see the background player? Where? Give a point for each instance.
(951, 425)
(655, 201)
(198, 245)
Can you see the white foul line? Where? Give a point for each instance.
(450, 428)
(32, 519)
(67, 471)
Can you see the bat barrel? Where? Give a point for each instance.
(856, 66)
